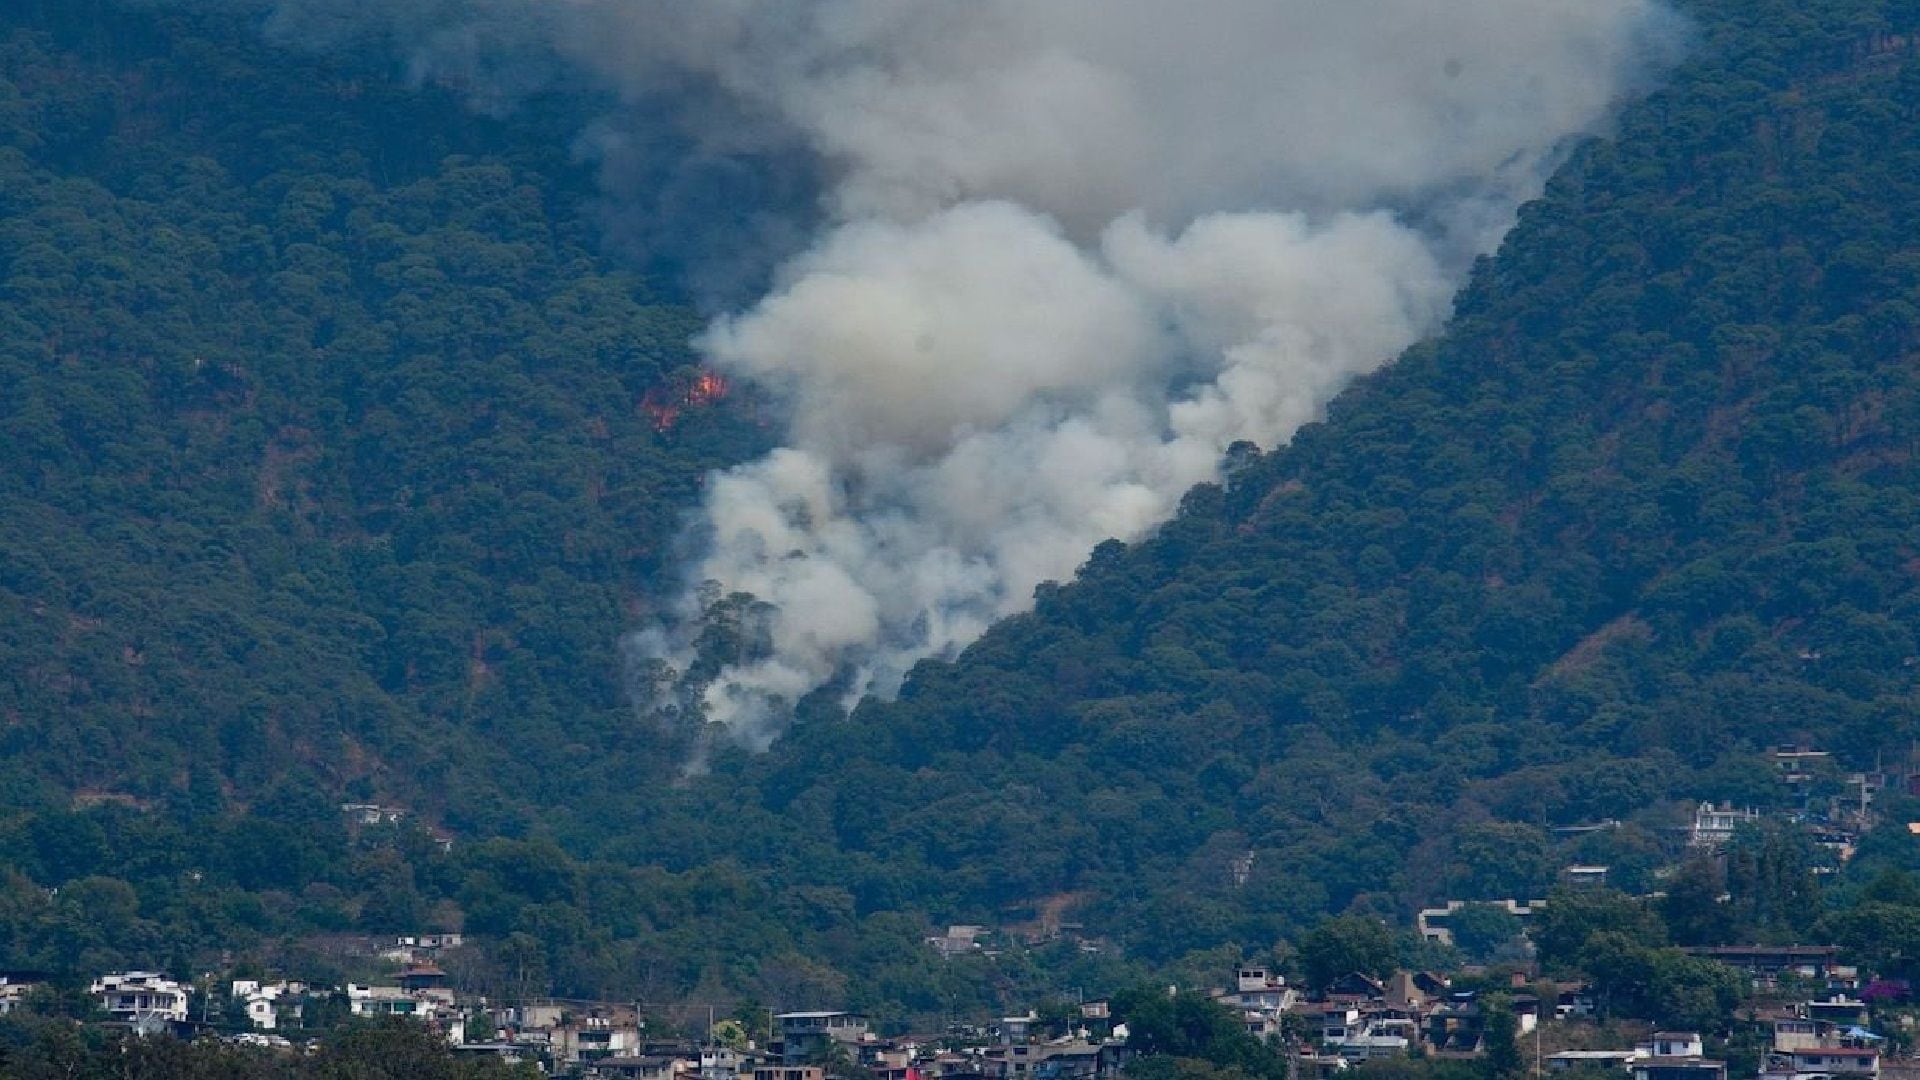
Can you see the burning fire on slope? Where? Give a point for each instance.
(665, 404)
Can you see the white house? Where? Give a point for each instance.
(380, 1001)
(722, 1063)
(268, 1003)
(593, 1037)
(1677, 1044)
(13, 991)
(1714, 825)
(137, 996)
(1257, 988)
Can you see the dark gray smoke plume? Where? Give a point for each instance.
(1069, 251)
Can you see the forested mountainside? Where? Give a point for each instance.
(333, 463)
(328, 457)
(1647, 508)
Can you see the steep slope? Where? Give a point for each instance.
(1646, 508)
(328, 473)
(327, 444)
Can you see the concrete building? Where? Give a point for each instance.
(1713, 825)
(381, 1001)
(805, 1036)
(137, 996)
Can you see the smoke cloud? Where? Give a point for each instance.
(1075, 251)
(1062, 255)
(977, 402)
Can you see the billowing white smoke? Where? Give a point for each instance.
(978, 402)
(1079, 249)
(1074, 250)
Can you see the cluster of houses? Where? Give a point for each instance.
(1353, 1020)
(1802, 1047)
(1358, 1018)
(1835, 807)
(151, 1002)
(593, 1039)
(816, 1045)
(596, 1040)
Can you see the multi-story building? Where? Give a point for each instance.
(590, 1038)
(381, 1001)
(723, 1063)
(138, 996)
(1807, 1045)
(1714, 825)
(1835, 1061)
(14, 989)
(806, 1036)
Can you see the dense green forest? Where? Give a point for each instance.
(1646, 509)
(328, 473)
(327, 458)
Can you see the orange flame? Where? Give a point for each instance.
(707, 389)
(665, 404)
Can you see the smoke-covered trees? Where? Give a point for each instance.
(1682, 548)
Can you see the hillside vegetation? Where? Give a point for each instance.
(326, 461)
(326, 475)
(1647, 508)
